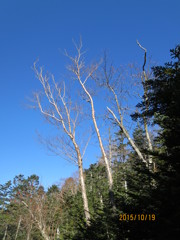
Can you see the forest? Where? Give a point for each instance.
(132, 190)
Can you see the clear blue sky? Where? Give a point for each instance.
(38, 29)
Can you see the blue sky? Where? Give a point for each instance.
(39, 29)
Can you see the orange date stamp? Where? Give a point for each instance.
(137, 217)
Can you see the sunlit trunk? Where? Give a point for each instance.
(5, 233)
(18, 226)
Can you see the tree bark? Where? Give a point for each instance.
(58, 234)
(39, 223)
(110, 149)
(83, 187)
(144, 81)
(107, 164)
(128, 137)
(29, 232)
(18, 226)
(5, 233)
(68, 125)
(76, 69)
(42, 230)
(45, 236)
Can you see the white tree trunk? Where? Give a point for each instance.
(58, 234)
(110, 179)
(125, 185)
(29, 232)
(39, 222)
(107, 165)
(5, 233)
(18, 226)
(45, 236)
(145, 119)
(110, 149)
(83, 187)
(42, 230)
(128, 137)
(101, 199)
(144, 79)
(60, 113)
(148, 140)
(76, 69)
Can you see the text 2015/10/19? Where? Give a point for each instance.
(137, 217)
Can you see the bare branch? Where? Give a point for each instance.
(145, 51)
(128, 136)
(78, 64)
(84, 151)
(59, 112)
(144, 81)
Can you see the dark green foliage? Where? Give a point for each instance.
(164, 102)
(139, 191)
(53, 189)
(5, 191)
(164, 97)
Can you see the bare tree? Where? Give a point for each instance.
(39, 222)
(144, 79)
(82, 75)
(119, 119)
(33, 206)
(108, 76)
(40, 210)
(60, 111)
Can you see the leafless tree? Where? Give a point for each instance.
(40, 211)
(32, 205)
(83, 74)
(144, 79)
(117, 114)
(60, 111)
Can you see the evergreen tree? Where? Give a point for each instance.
(164, 105)
(164, 101)
(139, 191)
